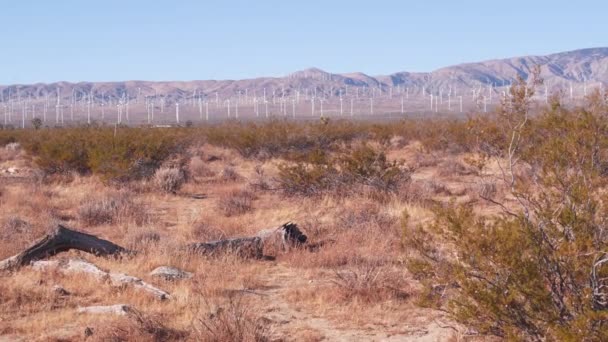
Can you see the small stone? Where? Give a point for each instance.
(88, 332)
(170, 273)
(118, 309)
(60, 291)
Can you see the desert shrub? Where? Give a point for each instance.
(198, 168)
(169, 179)
(138, 327)
(235, 320)
(260, 182)
(13, 226)
(554, 286)
(278, 138)
(112, 208)
(369, 284)
(236, 203)
(120, 153)
(452, 167)
(369, 167)
(307, 178)
(229, 174)
(362, 166)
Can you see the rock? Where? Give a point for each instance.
(170, 273)
(88, 332)
(118, 309)
(60, 291)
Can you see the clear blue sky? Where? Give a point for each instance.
(111, 40)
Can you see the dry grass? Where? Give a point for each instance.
(353, 276)
(237, 202)
(169, 179)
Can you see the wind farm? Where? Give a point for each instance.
(305, 95)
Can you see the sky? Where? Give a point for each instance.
(116, 40)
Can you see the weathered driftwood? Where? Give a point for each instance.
(59, 240)
(284, 237)
(117, 279)
(62, 239)
(118, 309)
(247, 247)
(170, 273)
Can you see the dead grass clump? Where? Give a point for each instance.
(417, 192)
(10, 151)
(452, 167)
(169, 179)
(28, 297)
(368, 283)
(235, 320)
(426, 160)
(138, 327)
(12, 226)
(117, 207)
(204, 231)
(487, 190)
(368, 216)
(229, 174)
(260, 182)
(236, 203)
(142, 239)
(197, 168)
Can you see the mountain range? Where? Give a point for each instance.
(585, 66)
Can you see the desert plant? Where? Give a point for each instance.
(367, 166)
(36, 123)
(235, 320)
(236, 202)
(112, 208)
(553, 286)
(169, 179)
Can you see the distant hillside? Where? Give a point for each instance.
(587, 65)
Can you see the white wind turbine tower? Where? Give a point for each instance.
(89, 109)
(72, 105)
(46, 105)
(207, 110)
(57, 105)
(460, 103)
(321, 104)
(200, 108)
(236, 109)
(127, 106)
(177, 111)
(585, 86)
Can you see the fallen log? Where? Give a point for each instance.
(118, 309)
(117, 279)
(248, 247)
(61, 239)
(284, 237)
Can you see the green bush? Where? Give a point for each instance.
(114, 153)
(539, 270)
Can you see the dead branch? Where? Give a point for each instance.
(61, 239)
